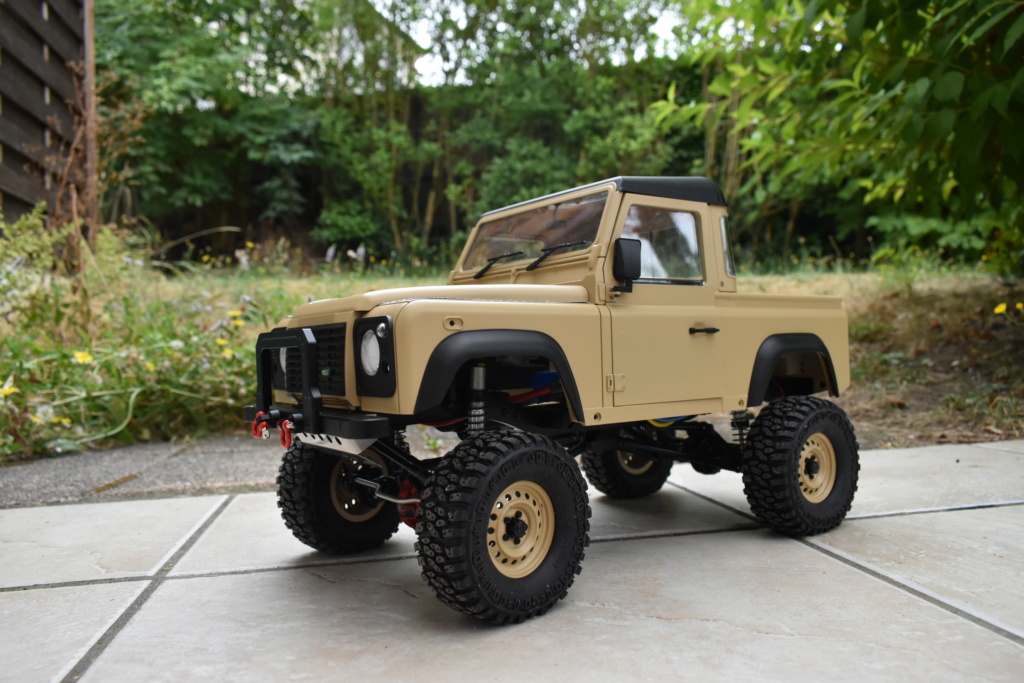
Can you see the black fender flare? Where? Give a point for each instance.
(775, 347)
(462, 347)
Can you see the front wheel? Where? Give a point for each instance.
(503, 524)
(800, 465)
(324, 507)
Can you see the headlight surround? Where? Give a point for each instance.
(374, 342)
(369, 353)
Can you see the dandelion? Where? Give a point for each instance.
(82, 358)
(221, 342)
(176, 344)
(238, 323)
(1020, 306)
(35, 419)
(150, 367)
(250, 245)
(235, 314)
(227, 353)
(61, 421)
(7, 390)
(1000, 309)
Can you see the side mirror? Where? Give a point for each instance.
(626, 266)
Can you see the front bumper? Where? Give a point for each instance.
(314, 365)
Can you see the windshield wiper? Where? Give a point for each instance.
(548, 251)
(491, 261)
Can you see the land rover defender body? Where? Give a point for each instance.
(602, 323)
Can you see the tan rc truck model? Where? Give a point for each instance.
(601, 323)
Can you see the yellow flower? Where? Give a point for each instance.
(61, 420)
(227, 353)
(150, 366)
(1000, 309)
(1020, 306)
(82, 358)
(205, 258)
(250, 245)
(383, 261)
(35, 419)
(984, 257)
(8, 389)
(235, 314)
(237, 323)
(221, 342)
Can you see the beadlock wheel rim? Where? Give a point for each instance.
(346, 502)
(817, 468)
(633, 463)
(520, 529)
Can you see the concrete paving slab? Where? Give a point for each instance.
(1012, 446)
(43, 633)
(740, 605)
(901, 480)
(250, 534)
(973, 559)
(84, 542)
(669, 511)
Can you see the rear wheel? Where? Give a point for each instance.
(323, 506)
(800, 465)
(503, 524)
(620, 474)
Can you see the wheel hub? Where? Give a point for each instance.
(350, 500)
(634, 463)
(521, 529)
(817, 468)
(515, 528)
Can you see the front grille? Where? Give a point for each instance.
(330, 355)
(329, 371)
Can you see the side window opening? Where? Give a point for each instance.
(670, 245)
(730, 265)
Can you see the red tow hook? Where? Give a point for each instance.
(285, 436)
(407, 511)
(260, 427)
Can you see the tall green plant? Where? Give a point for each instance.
(902, 104)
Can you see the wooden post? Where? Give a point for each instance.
(92, 200)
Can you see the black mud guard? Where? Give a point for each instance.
(462, 347)
(775, 347)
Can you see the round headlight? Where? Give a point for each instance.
(369, 353)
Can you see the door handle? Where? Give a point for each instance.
(704, 330)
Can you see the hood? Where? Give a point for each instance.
(365, 302)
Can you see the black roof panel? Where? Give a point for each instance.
(689, 188)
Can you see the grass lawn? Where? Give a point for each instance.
(127, 353)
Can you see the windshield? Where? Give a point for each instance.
(573, 223)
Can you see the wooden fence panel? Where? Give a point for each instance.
(41, 62)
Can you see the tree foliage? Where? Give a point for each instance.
(904, 105)
(851, 123)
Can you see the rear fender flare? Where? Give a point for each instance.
(779, 345)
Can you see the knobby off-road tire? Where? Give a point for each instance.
(503, 523)
(321, 506)
(800, 465)
(619, 474)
